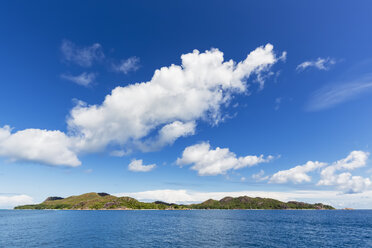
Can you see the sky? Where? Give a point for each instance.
(183, 101)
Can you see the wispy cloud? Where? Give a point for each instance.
(84, 79)
(334, 94)
(120, 153)
(260, 176)
(83, 56)
(319, 63)
(278, 101)
(127, 65)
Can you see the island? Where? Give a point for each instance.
(104, 201)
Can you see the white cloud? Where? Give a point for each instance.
(10, 201)
(362, 200)
(39, 146)
(207, 161)
(83, 56)
(167, 195)
(336, 93)
(138, 166)
(297, 174)
(175, 95)
(260, 176)
(345, 181)
(167, 107)
(84, 79)
(348, 183)
(128, 65)
(320, 63)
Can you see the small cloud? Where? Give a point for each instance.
(127, 65)
(84, 79)
(88, 171)
(138, 166)
(82, 56)
(260, 176)
(212, 162)
(120, 153)
(320, 63)
(278, 101)
(283, 57)
(296, 174)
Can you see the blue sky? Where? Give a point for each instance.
(220, 124)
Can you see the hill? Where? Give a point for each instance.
(96, 201)
(245, 202)
(104, 201)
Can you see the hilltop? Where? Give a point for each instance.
(104, 201)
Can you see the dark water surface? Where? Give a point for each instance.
(196, 228)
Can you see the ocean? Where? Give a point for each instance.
(194, 228)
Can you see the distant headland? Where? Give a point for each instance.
(104, 201)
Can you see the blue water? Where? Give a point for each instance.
(197, 228)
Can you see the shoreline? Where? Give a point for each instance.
(181, 209)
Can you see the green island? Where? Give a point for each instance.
(104, 201)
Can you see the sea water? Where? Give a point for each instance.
(194, 228)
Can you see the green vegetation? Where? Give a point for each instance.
(96, 201)
(91, 201)
(245, 202)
